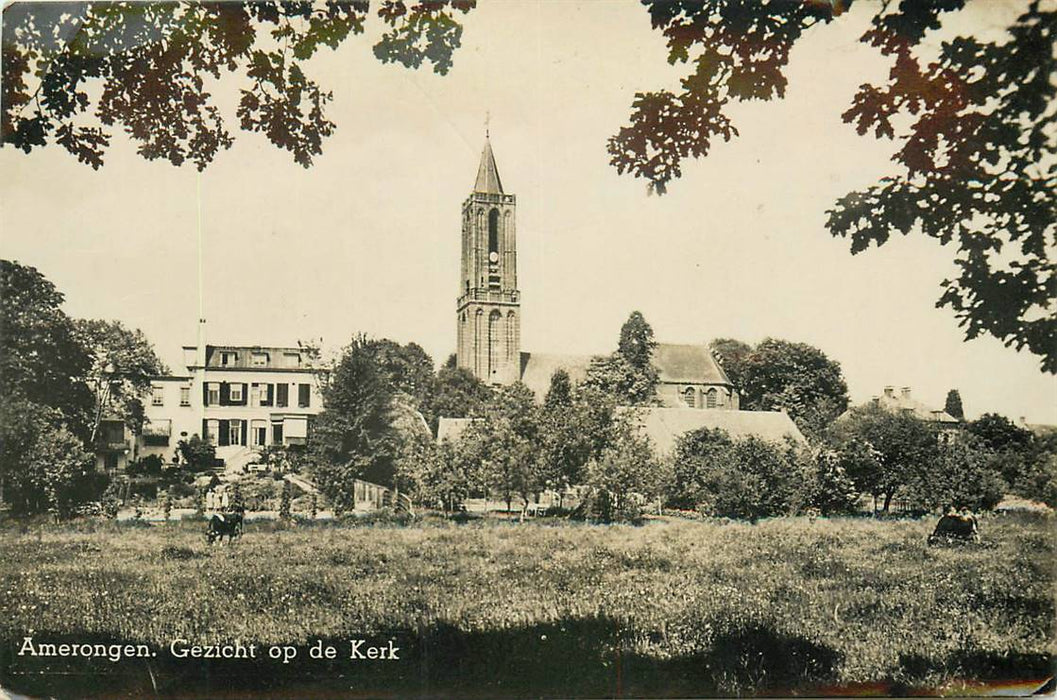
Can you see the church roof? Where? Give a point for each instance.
(537, 368)
(664, 426)
(487, 173)
(687, 364)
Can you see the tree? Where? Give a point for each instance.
(833, 490)
(353, 437)
(123, 363)
(508, 440)
(408, 368)
(738, 478)
(573, 430)
(976, 166)
(966, 475)
(456, 393)
(616, 376)
(1000, 434)
(884, 451)
(560, 392)
(72, 71)
(43, 466)
(796, 377)
(953, 405)
(284, 502)
(731, 355)
(636, 341)
(41, 358)
(623, 477)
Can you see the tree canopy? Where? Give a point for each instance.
(779, 374)
(72, 71)
(977, 162)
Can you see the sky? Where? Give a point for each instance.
(367, 239)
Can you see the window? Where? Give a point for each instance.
(266, 394)
(303, 395)
(259, 359)
(258, 433)
(212, 393)
(185, 396)
(493, 232)
(710, 398)
(277, 433)
(212, 431)
(292, 359)
(282, 397)
(236, 393)
(255, 395)
(157, 396)
(228, 358)
(234, 432)
(689, 397)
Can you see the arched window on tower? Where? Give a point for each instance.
(493, 232)
(493, 341)
(710, 398)
(689, 397)
(510, 333)
(493, 250)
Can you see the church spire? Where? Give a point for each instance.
(488, 180)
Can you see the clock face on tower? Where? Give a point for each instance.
(493, 257)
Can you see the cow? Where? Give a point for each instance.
(229, 524)
(955, 527)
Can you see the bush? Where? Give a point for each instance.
(151, 465)
(747, 478)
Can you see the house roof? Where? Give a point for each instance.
(902, 401)
(664, 426)
(244, 357)
(537, 368)
(487, 173)
(452, 428)
(688, 364)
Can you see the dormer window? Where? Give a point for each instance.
(292, 359)
(259, 359)
(228, 359)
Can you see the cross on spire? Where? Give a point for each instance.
(487, 119)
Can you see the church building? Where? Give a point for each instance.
(489, 313)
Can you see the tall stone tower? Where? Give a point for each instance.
(489, 305)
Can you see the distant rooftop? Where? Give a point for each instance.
(255, 357)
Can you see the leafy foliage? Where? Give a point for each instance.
(41, 357)
(196, 454)
(884, 451)
(73, 70)
(456, 393)
(623, 477)
(627, 375)
(353, 437)
(731, 355)
(976, 162)
(779, 374)
(123, 362)
(953, 405)
(738, 478)
(44, 468)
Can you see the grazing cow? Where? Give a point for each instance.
(229, 524)
(954, 527)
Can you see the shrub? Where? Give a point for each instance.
(151, 465)
(747, 478)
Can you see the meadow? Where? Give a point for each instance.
(546, 608)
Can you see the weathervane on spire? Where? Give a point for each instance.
(487, 118)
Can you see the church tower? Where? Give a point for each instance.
(489, 305)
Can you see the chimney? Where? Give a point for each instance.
(200, 355)
(906, 392)
(890, 391)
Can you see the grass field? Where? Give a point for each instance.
(493, 608)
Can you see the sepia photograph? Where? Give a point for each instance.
(528, 348)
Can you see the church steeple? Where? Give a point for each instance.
(487, 173)
(489, 303)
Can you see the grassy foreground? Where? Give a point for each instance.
(499, 609)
